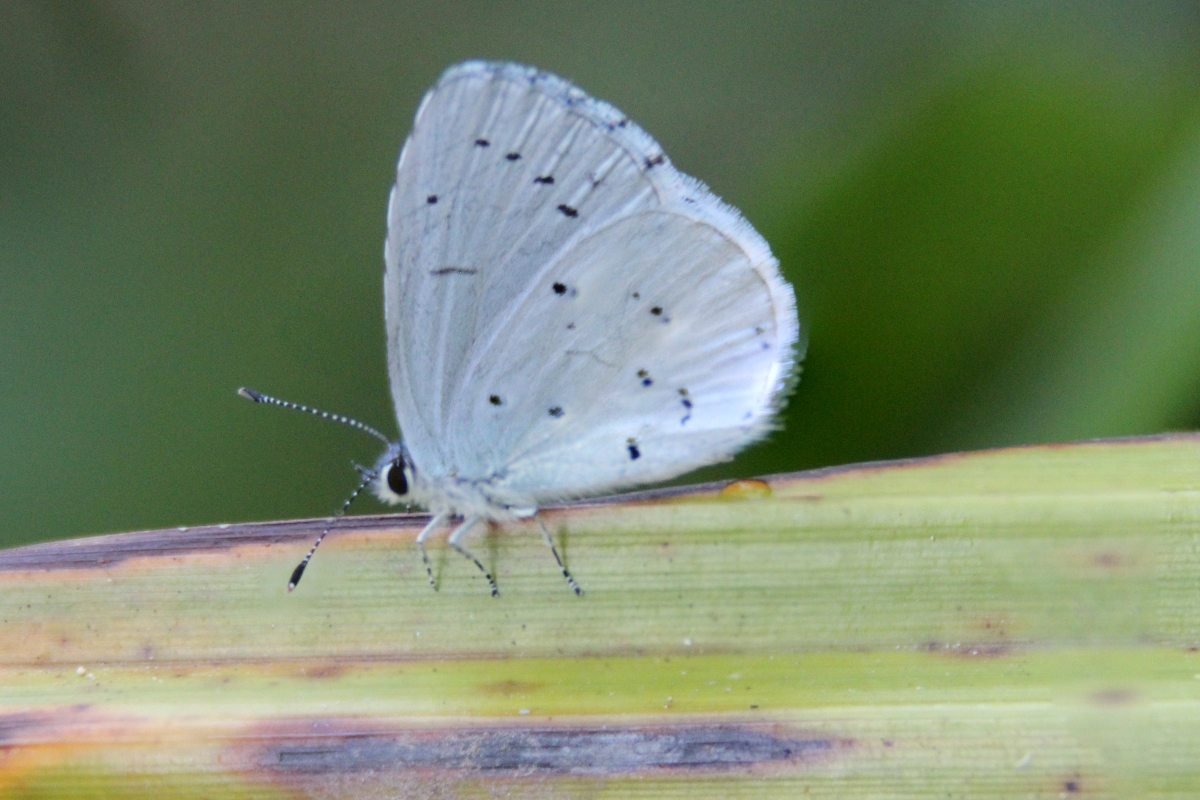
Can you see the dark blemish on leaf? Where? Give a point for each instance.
(654, 161)
(634, 452)
(431, 199)
(568, 211)
(546, 180)
(495, 400)
(656, 311)
(482, 143)
(556, 412)
(624, 748)
(453, 271)
(513, 156)
(560, 288)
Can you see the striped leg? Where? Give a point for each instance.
(434, 522)
(566, 573)
(468, 523)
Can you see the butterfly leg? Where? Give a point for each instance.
(566, 573)
(435, 521)
(468, 523)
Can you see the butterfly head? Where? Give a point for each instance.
(394, 476)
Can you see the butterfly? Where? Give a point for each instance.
(567, 314)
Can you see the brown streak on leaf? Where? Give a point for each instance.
(97, 552)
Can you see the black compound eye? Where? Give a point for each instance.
(396, 480)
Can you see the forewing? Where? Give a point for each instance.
(566, 313)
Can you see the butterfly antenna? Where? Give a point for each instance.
(259, 397)
(298, 572)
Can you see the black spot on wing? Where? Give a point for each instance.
(556, 412)
(645, 376)
(634, 452)
(512, 156)
(453, 271)
(687, 403)
(568, 211)
(656, 311)
(545, 180)
(655, 160)
(559, 288)
(495, 400)
(431, 199)
(482, 143)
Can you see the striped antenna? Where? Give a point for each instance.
(367, 475)
(298, 572)
(259, 397)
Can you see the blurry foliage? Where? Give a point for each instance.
(940, 254)
(991, 217)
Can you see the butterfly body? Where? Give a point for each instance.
(448, 495)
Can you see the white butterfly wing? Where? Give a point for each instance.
(566, 313)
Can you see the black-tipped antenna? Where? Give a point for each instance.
(367, 475)
(298, 572)
(259, 397)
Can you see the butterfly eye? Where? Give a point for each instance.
(396, 480)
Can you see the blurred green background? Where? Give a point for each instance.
(990, 211)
